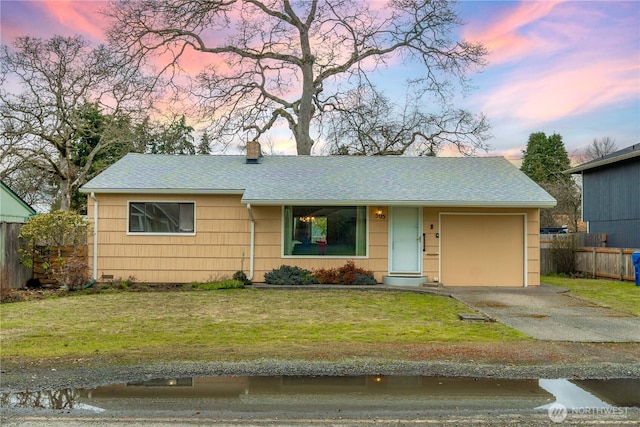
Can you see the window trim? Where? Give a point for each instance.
(283, 229)
(146, 233)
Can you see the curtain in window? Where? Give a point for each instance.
(361, 231)
(186, 217)
(288, 231)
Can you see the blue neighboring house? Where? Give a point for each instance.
(611, 196)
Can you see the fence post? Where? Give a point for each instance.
(593, 263)
(621, 263)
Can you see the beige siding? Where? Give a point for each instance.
(221, 245)
(218, 249)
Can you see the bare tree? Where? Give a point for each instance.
(599, 148)
(368, 123)
(568, 210)
(52, 94)
(280, 60)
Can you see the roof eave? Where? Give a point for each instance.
(603, 162)
(426, 203)
(160, 191)
(19, 199)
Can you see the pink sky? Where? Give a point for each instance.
(571, 67)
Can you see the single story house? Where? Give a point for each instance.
(458, 221)
(611, 196)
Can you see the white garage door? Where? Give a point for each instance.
(482, 250)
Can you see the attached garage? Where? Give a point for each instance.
(465, 221)
(483, 249)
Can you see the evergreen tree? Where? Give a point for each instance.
(545, 159)
(205, 144)
(174, 138)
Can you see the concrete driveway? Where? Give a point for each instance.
(549, 313)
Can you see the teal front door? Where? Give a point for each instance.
(405, 241)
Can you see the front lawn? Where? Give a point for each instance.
(235, 324)
(620, 296)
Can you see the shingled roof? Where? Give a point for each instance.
(328, 180)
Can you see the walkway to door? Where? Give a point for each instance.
(549, 313)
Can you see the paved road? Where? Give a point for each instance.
(549, 313)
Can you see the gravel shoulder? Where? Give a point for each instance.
(557, 360)
(552, 360)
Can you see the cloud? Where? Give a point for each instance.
(77, 17)
(551, 60)
(47, 18)
(566, 89)
(507, 37)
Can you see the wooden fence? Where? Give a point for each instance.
(12, 273)
(581, 240)
(56, 256)
(609, 263)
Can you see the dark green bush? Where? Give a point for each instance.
(241, 277)
(365, 279)
(287, 275)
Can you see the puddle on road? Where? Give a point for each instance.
(349, 392)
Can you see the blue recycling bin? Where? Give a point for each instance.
(635, 258)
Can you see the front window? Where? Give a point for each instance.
(325, 230)
(161, 217)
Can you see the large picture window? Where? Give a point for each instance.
(161, 217)
(325, 230)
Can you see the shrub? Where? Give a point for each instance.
(223, 284)
(348, 274)
(7, 294)
(287, 275)
(328, 276)
(123, 284)
(563, 254)
(241, 277)
(57, 243)
(365, 279)
(72, 274)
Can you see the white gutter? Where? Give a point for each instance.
(161, 191)
(95, 236)
(426, 203)
(253, 241)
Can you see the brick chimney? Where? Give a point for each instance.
(253, 152)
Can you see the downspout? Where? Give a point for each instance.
(95, 236)
(252, 241)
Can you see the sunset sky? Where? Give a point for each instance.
(571, 67)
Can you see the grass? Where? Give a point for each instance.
(234, 324)
(620, 296)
